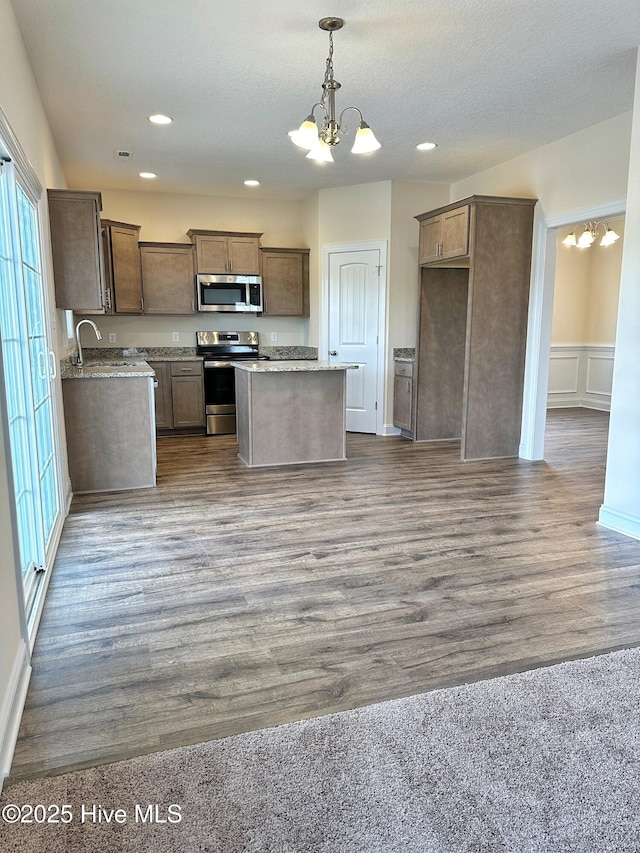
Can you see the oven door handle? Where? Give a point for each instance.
(209, 364)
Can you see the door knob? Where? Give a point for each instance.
(333, 352)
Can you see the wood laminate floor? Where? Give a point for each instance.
(229, 599)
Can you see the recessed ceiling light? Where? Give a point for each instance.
(159, 118)
(148, 175)
(426, 146)
(252, 183)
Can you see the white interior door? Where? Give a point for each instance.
(353, 330)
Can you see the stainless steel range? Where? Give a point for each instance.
(219, 350)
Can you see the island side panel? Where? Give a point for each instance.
(243, 415)
(290, 417)
(110, 436)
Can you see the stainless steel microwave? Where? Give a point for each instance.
(229, 292)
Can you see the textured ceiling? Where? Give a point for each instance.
(485, 79)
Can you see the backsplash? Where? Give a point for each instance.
(282, 353)
(286, 353)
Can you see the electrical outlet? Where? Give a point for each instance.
(274, 337)
(175, 337)
(112, 337)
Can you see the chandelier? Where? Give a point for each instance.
(319, 141)
(590, 234)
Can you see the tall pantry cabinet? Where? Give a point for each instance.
(473, 305)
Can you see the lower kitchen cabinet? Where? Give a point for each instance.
(403, 397)
(179, 396)
(110, 437)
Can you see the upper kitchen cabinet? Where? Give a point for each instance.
(445, 235)
(168, 278)
(122, 266)
(472, 332)
(76, 247)
(285, 277)
(226, 251)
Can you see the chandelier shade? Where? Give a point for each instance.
(589, 235)
(318, 140)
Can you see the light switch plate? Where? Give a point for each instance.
(112, 337)
(175, 337)
(274, 337)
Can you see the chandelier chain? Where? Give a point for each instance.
(328, 74)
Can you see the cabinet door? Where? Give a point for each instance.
(244, 255)
(164, 413)
(168, 283)
(76, 248)
(455, 233)
(444, 236)
(430, 230)
(402, 401)
(125, 269)
(285, 277)
(187, 393)
(212, 253)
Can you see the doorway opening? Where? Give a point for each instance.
(584, 320)
(539, 333)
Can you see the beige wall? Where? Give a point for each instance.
(355, 214)
(604, 289)
(167, 217)
(21, 104)
(384, 212)
(587, 285)
(580, 171)
(408, 200)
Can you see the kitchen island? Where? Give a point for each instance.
(289, 412)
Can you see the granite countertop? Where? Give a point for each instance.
(291, 366)
(104, 369)
(404, 354)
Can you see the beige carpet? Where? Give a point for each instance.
(547, 760)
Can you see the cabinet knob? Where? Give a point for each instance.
(333, 352)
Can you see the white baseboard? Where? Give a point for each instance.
(629, 525)
(12, 706)
(390, 429)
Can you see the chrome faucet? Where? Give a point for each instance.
(79, 359)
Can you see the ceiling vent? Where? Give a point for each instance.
(123, 155)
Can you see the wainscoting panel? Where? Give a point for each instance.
(581, 376)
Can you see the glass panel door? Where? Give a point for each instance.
(28, 370)
(41, 364)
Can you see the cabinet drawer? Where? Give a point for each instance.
(404, 368)
(186, 368)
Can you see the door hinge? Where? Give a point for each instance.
(376, 406)
(4, 160)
